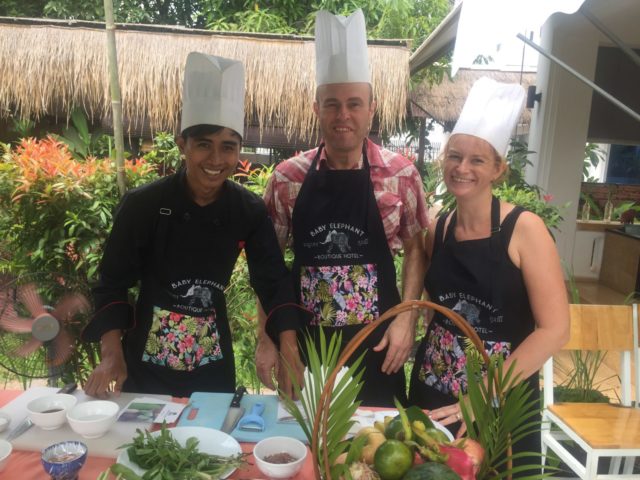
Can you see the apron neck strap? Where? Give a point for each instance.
(496, 247)
(365, 158)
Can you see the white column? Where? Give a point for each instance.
(559, 122)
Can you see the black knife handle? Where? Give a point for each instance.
(237, 397)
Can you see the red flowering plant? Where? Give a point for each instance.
(56, 210)
(253, 177)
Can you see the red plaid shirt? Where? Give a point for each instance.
(396, 184)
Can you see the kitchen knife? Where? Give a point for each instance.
(26, 424)
(235, 412)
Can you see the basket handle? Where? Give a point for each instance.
(322, 411)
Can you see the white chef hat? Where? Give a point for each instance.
(341, 49)
(213, 92)
(491, 112)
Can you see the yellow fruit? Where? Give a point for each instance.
(374, 440)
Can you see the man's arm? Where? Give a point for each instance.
(400, 335)
(119, 271)
(111, 370)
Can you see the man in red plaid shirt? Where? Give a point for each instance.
(346, 208)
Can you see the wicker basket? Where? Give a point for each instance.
(322, 412)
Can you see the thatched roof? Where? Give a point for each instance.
(444, 102)
(47, 67)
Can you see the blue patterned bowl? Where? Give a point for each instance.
(63, 461)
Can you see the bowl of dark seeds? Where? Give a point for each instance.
(280, 457)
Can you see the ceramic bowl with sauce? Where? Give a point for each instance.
(280, 457)
(50, 412)
(93, 419)
(63, 461)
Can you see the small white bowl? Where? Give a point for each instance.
(5, 420)
(50, 412)
(275, 445)
(93, 419)
(5, 452)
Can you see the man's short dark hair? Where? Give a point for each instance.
(203, 130)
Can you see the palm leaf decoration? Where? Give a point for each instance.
(343, 399)
(496, 422)
(327, 314)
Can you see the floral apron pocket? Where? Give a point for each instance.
(340, 295)
(182, 342)
(445, 362)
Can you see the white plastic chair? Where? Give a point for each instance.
(601, 430)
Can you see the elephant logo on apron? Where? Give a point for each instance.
(198, 294)
(468, 311)
(339, 240)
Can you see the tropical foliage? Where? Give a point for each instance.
(498, 413)
(593, 155)
(56, 210)
(343, 405)
(514, 189)
(412, 19)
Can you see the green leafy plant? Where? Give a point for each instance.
(165, 154)
(595, 212)
(343, 405)
(162, 456)
(254, 178)
(580, 378)
(625, 207)
(241, 307)
(56, 209)
(23, 126)
(592, 157)
(497, 421)
(81, 141)
(531, 200)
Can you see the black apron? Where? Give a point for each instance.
(343, 267)
(478, 280)
(182, 342)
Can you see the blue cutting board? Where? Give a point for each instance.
(212, 408)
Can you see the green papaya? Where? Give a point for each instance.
(431, 471)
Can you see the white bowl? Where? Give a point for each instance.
(5, 420)
(274, 445)
(50, 412)
(5, 452)
(93, 419)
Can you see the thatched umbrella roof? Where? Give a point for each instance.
(49, 66)
(444, 102)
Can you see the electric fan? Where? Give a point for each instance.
(41, 317)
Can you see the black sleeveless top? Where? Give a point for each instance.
(478, 280)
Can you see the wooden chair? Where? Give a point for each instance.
(601, 430)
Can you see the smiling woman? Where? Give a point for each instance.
(471, 165)
(492, 262)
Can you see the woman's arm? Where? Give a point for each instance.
(533, 250)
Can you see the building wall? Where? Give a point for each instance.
(559, 122)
